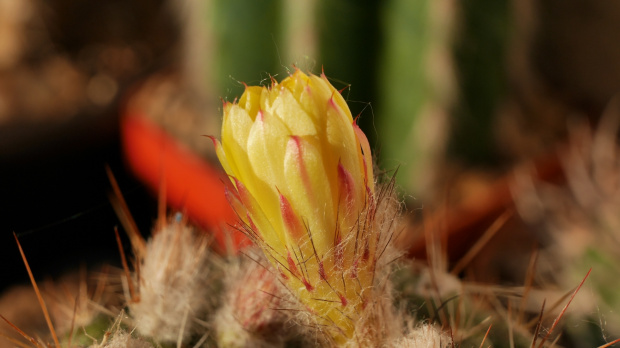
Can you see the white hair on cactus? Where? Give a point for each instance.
(382, 321)
(173, 284)
(253, 313)
(122, 339)
(423, 336)
(77, 298)
(118, 338)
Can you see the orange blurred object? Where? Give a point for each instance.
(191, 184)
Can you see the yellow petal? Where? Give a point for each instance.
(221, 155)
(296, 82)
(292, 114)
(251, 99)
(321, 92)
(292, 223)
(337, 97)
(235, 130)
(257, 218)
(343, 143)
(367, 159)
(306, 100)
(266, 146)
(308, 192)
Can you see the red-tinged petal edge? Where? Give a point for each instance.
(343, 300)
(291, 222)
(292, 265)
(243, 193)
(307, 284)
(213, 139)
(296, 142)
(367, 155)
(251, 223)
(347, 188)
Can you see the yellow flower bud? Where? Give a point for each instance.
(304, 187)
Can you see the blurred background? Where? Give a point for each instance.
(453, 94)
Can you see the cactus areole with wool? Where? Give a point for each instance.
(304, 190)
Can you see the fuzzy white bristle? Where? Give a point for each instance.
(252, 314)
(122, 339)
(423, 336)
(116, 337)
(381, 322)
(173, 284)
(75, 301)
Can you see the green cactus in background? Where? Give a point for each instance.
(480, 55)
(416, 75)
(246, 36)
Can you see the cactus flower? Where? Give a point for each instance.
(304, 190)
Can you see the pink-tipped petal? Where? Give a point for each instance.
(343, 300)
(292, 266)
(290, 220)
(347, 189)
(307, 284)
(310, 190)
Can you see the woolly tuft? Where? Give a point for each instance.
(423, 336)
(173, 284)
(122, 339)
(252, 314)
